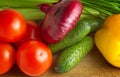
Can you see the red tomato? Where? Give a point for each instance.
(12, 25)
(31, 34)
(34, 58)
(7, 57)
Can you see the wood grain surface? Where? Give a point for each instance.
(93, 65)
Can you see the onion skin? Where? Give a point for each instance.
(60, 20)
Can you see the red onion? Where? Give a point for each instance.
(59, 20)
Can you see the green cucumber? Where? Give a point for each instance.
(78, 32)
(71, 56)
(84, 26)
(94, 22)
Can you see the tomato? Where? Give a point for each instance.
(12, 25)
(7, 57)
(34, 58)
(32, 33)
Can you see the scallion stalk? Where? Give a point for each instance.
(24, 3)
(30, 13)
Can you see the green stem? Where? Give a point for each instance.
(24, 3)
(96, 8)
(93, 12)
(110, 6)
(30, 13)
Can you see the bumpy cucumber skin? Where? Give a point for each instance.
(74, 54)
(78, 32)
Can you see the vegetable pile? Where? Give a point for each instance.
(29, 53)
(31, 32)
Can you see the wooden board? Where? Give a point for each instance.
(93, 65)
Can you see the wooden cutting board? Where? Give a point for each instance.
(93, 65)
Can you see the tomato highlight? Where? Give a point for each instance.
(12, 25)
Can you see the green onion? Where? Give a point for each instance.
(96, 7)
(24, 3)
(29, 9)
(30, 13)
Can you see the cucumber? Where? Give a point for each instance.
(94, 22)
(71, 56)
(78, 32)
(84, 26)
